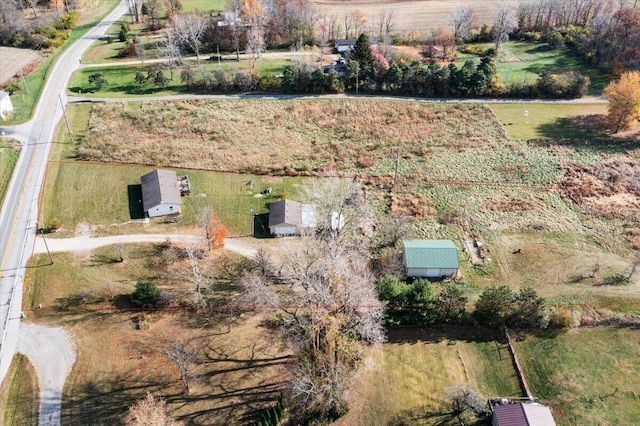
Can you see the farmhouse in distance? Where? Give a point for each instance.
(430, 258)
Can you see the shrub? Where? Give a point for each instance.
(560, 318)
(146, 294)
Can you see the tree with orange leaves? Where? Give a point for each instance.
(624, 101)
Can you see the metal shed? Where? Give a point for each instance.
(430, 258)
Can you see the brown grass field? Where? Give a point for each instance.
(423, 16)
(13, 60)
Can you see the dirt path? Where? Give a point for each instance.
(53, 354)
(85, 243)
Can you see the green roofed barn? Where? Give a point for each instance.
(430, 258)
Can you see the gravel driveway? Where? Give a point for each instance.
(53, 353)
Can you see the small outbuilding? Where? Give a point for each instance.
(346, 44)
(6, 107)
(430, 258)
(161, 193)
(522, 414)
(288, 217)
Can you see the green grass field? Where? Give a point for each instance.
(8, 159)
(589, 375)
(547, 121)
(206, 6)
(19, 400)
(520, 61)
(121, 79)
(406, 380)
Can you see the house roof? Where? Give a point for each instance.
(352, 41)
(160, 187)
(523, 414)
(289, 212)
(285, 212)
(538, 414)
(431, 254)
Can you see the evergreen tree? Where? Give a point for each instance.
(361, 52)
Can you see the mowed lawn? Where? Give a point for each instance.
(587, 375)
(405, 381)
(8, 159)
(121, 79)
(108, 194)
(523, 61)
(548, 121)
(19, 394)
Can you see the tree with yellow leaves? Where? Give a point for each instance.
(624, 101)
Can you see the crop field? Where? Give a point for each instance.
(589, 376)
(411, 16)
(406, 380)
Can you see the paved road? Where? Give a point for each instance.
(20, 208)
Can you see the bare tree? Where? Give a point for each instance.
(385, 23)
(253, 16)
(233, 21)
(150, 411)
(169, 49)
(184, 355)
(330, 307)
(464, 21)
(504, 24)
(189, 29)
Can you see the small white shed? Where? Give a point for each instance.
(6, 107)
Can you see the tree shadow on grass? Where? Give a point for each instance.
(103, 402)
(585, 132)
(437, 334)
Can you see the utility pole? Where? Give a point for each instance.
(25, 83)
(64, 114)
(395, 174)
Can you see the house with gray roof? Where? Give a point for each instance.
(522, 414)
(288, 217)
(430, 258)
(161, 193)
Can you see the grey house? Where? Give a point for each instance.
(430, 258)
(160, 193)
(287, 217)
